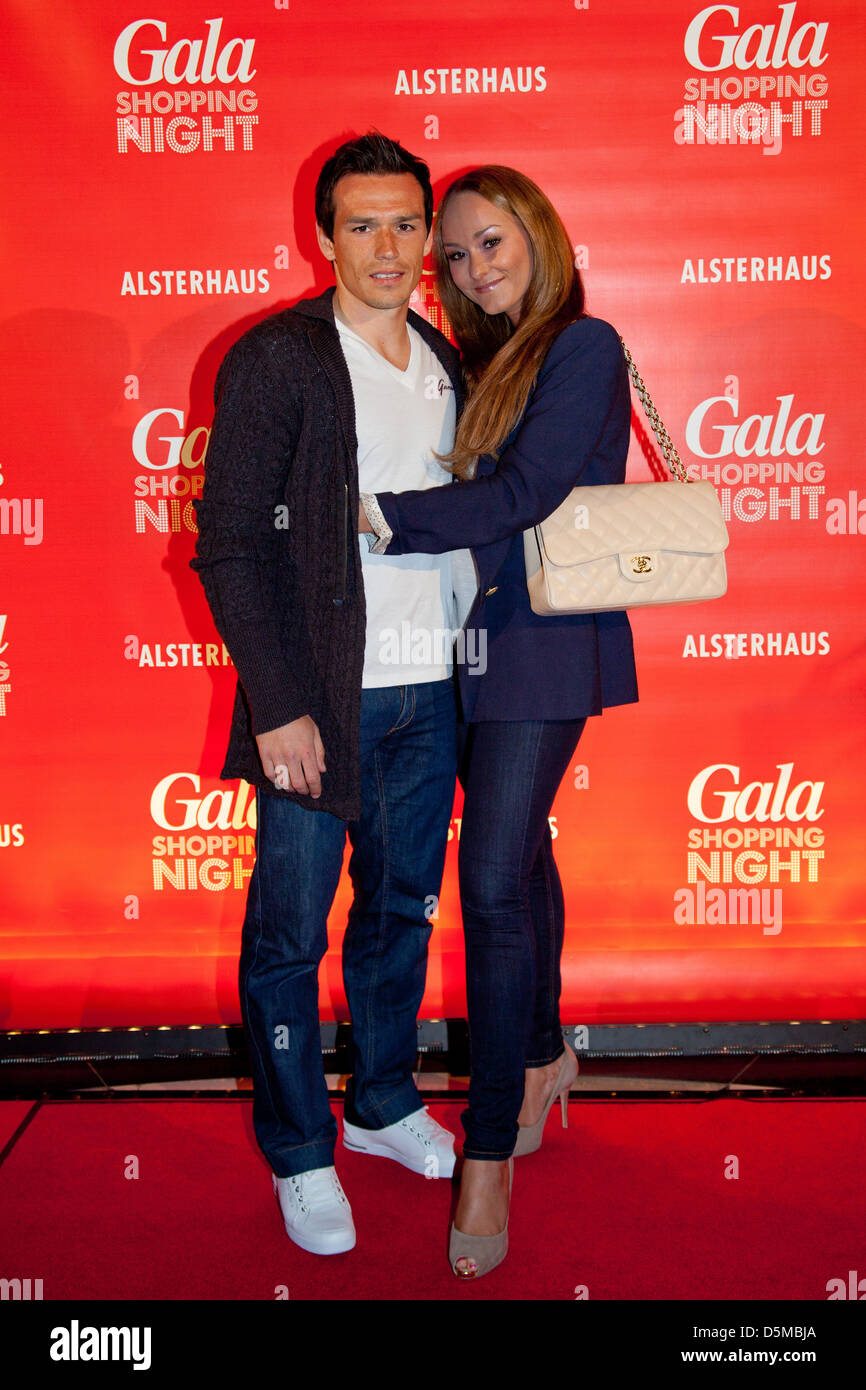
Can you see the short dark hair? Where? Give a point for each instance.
(369, 154)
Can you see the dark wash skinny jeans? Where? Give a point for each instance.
(513, 915)
(408, 770)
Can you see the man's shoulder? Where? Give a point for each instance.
(285, 327)
(280, 351)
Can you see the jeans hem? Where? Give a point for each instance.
(391, 1113)
(487, 1156)
(303, 1159)
(530, 1066)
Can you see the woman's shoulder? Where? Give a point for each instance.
(585, 344)
(587, 333)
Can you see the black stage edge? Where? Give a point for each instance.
(807, 1057)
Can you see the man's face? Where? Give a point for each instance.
(380, 238)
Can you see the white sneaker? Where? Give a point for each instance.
(418, 1142)
(316, 1211)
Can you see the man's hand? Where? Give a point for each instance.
(363, 523)
(293, 756)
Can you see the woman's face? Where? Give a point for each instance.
(489, 254)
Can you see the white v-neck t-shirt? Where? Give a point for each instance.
(401, 417)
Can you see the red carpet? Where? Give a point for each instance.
(12, 1112)
(631, 1202)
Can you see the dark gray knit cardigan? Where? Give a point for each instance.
(277, 549)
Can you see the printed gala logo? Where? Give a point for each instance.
(781, 59)
(760, 45)
(211, 839)
(761, 830)
(162, 444)
(183, 449)
(774, 433)
(757, 801)
(187, 60)
(220, 809)
(764, 465)
(145, 57)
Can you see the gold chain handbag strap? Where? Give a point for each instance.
(668, 448)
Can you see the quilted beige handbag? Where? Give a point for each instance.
(623, 544)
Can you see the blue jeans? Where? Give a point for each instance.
(513, 915)
(408, 765)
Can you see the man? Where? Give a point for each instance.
(335, 724)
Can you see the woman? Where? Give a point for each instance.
(548, 409)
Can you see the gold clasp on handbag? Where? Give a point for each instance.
(644, 568)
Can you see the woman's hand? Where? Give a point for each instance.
(363, 523)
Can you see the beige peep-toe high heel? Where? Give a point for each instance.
(482, 1253)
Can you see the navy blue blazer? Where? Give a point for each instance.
(574, 432)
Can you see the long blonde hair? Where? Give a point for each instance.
(502, 363)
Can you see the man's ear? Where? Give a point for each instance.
(326, 245)
(428, 244)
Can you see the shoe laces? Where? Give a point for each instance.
(316, 1188)
(425, 1128)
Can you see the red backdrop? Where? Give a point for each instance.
(159, 167)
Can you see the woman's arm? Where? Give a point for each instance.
(582, 384)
